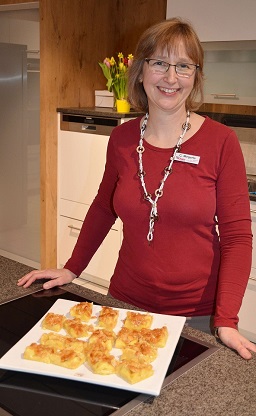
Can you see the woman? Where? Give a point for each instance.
(172, 176)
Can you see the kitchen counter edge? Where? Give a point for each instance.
(98, 111)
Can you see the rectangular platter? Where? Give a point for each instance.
(13, 359)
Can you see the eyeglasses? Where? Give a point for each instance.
(182, 69)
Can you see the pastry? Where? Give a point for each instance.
(157, 336)
(142, 350)
(104, 337)
(76, 329)
(101, 361)
(108, 317)
(134, 371)
(53, 322)
(60, 342)
(135, 320)
(82, 310)
(37, 352)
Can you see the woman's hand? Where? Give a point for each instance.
(56, 277)
(233, 339)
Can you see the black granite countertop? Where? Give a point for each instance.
(222, 384)
(98, 111)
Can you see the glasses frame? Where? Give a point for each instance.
(175, 66)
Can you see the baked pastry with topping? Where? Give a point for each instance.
(134, 371)
(103, 337)
(142, 350)
(37, 352)
(108, 317)
(53, 322)
(126, 337)
(101, 361)
(67, 358)
(135, 320)
(61, 342)
(157, 336)
(76, 328)
(82, 310)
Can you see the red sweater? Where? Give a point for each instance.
(186, 270)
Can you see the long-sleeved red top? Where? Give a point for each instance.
(187, 269)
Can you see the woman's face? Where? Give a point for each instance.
(167, 91)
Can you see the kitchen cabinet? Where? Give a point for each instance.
(81, 162)
(253, 214)
(247, 314)
(219, 20)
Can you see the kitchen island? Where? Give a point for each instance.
(222, 384)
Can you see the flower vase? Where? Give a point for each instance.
(122, 106)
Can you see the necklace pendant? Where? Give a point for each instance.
(186, 126)
(141, 173)
(147, 197)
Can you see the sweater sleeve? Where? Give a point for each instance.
(99, 219)
(234, 222)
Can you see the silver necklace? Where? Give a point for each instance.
(153, 217)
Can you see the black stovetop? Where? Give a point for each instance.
(23, 394)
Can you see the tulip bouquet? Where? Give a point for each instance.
(116, 74)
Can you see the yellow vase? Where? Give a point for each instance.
(122, 106)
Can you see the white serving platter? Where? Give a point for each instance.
(13, 359)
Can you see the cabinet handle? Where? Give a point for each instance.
(253, 210)
(74, 228)
(220, 95)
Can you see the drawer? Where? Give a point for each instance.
(101, 267)
(78, 211)
(247, 314)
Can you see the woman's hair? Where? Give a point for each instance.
(162, 36)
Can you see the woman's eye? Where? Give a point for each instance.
(183, 66)
(159, 63)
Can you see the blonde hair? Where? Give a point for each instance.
(166, 35)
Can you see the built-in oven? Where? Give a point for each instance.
(23, 394)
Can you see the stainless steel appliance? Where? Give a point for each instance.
(42, 395)
(19, 155)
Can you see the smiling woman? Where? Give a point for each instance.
(172, 260)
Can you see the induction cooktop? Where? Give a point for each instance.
(23, 394)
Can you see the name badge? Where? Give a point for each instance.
(183, 157)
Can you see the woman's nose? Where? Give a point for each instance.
(171, 75)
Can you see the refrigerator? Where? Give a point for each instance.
(19, 156)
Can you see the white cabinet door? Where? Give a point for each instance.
(218, 20)
(101, 267)
(81, 165)
(247, 314)
(253, 213)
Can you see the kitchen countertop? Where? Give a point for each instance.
(222, 384)
(98, 111)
